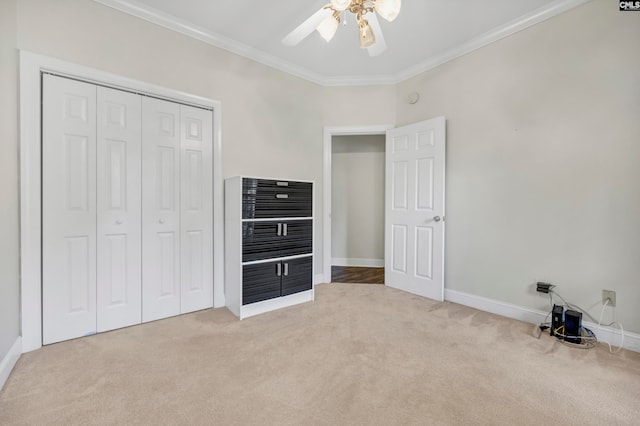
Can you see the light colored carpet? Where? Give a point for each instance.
(358, 355)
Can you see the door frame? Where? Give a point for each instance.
(329, 133)
(31, 67)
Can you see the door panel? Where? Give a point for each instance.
(297, 237)
(78, 273)
(119, 270)
(414, 212)
(424, 184)
(400, 185)
(261, 281)
(68, 209)
(297, 275)
(160, 209)
(399, 248)
(260, 240)
(196, 208)
(167, 256)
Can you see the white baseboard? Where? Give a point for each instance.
(9, 361)
(534, 316)
(318, 279)
(352, 261)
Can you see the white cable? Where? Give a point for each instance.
(612, 323)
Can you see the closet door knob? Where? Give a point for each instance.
(161, 221)
(436, 218)
(118, 222)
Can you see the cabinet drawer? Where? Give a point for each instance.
(264, 240)
(299, 275)
(263, 198)
(260, 282)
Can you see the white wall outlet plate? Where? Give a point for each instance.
(611, 295)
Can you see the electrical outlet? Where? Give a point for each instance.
(611, 295)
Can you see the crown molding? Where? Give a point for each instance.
(489, 37)
(157, 17)
(359, 80)
(165, 20)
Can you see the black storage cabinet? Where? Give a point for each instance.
(275, 221)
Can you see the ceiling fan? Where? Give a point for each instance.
(327, 19)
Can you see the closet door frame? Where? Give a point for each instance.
(32, 66)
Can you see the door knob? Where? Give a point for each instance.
(118, 222)
(437, 218)
(161, 221)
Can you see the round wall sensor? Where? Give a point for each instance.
(412, 98)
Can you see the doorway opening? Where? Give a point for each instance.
(357, 217)
(354, 168)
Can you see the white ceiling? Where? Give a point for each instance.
(425, 34)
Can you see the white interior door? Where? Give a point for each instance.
(196, 208)
(119, 274)
(68, 209)
(160, 209)
(414, 208)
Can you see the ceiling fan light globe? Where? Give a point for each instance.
(388, 9)
(367, 38)
(327, 28)
(340, 5)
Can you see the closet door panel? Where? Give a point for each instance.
(196, 208)
(119, 270)
(160, 209)
(68, 209)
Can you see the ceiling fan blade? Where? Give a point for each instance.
(380, 45)
(306, 28)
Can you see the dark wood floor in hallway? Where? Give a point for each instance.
(357, 274)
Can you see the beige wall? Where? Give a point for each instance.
(357, 197)
(543, 145)
(9, 202)
(359, 106)
(271, 122)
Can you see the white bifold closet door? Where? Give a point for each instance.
(69, 209)
(119, 274)
(127, 209)
(91, 209)
(161, 209)
(177, 209)
(196, 212)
